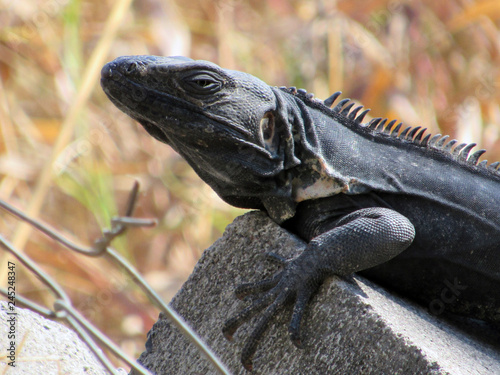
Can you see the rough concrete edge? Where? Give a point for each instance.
(440, 342)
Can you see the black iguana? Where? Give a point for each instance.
(417, 214)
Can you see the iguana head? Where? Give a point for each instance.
(228, 125)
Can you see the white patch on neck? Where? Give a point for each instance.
(322, 187)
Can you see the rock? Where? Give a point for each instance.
(43, 346)
(352, 326)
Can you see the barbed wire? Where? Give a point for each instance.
(63, 308)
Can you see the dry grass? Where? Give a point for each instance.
(69, 157)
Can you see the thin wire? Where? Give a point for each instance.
(81, 324)
(64, 302)
(118, 227)
(174, 317)
(101, 247)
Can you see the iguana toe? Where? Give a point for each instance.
(247, 289)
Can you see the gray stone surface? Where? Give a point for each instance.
(44, 347)
(352, 326)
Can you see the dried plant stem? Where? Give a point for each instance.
(89, 81)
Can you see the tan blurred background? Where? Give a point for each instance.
(69, 157)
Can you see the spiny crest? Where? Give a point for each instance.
(344, 107)
(461, 152)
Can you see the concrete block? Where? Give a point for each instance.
(351, 327)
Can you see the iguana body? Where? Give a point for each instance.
(416, 214)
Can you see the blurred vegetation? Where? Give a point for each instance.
(69, 157)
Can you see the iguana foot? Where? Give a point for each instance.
(297, 282)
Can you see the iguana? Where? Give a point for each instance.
(417, 214)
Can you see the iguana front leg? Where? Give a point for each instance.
(358, 241)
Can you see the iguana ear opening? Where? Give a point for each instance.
(268, 133)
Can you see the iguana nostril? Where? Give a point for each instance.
(131, 68)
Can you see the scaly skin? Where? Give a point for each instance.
(413, 213)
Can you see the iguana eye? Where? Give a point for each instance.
(202, 84)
